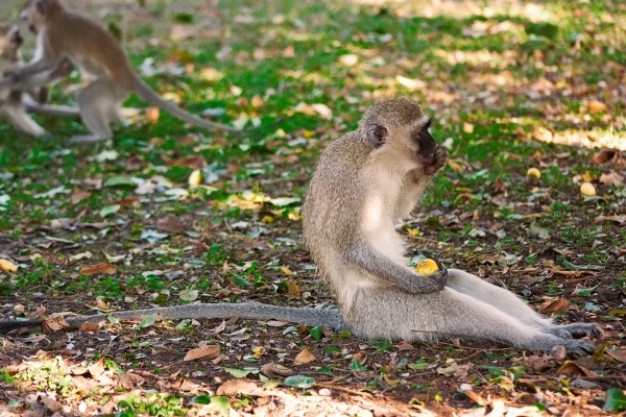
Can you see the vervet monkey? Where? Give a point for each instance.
(364, 183)
(63, 34)
(15, 102)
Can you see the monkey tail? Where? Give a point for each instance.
(326, 317)
(153, 98)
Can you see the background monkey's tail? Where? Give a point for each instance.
(154, 99)
(327, 317)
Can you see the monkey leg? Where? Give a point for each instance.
(512, 305)
(97, 104)
(395, 314)
(22, 121)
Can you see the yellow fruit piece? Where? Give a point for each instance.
(533, 172)
(195, 178)
(7, 266)
(587, 189)
(426, 267)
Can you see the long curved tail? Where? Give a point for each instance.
(153, 98)
(327, 317)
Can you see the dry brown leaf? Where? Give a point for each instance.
(19, 310)
(88, 327)
(304, 357)
(170, 224)
(79, 195)
(203, 352)
(99, 268)
(612, 178)
(129, 202)
(570, 368)
(475, 397)
(192, 161)
(237, 386)
(621, 219)
(606, 155)
(456, 166)
(54, 324)
(617, 354)
(7, 266)
(554, 306)
(130, 380)
(51, 404)
(273, 370)
(539, 362)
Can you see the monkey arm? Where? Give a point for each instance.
(367, 258)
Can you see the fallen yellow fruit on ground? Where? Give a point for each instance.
(7, 266)
(533, 172)
(587, 189)
(426, 267)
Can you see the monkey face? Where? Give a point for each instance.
(430, 155)
(34, 14)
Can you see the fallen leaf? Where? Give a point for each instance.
(192, 161)
(99, 268)
(170, 224)
(410, 83)
(305, 356)
(79, 195)
(606, 155)
(554, 306)
(571, 368)
(617, 354)
(89, 327)
(130, 380)
(54, 324)
(51, 404)
(237, 387)
(273, 370)
(18, 309)
(203, 352)
(612, 178)
(621, 219)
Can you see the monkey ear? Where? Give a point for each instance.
(377, 135)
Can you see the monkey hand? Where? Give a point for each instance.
(439, 160)
(436, 281)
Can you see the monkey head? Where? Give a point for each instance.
(398, 129)
(37, 12)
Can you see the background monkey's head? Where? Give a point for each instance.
(398, 129)
(36, 12)
(10, 43)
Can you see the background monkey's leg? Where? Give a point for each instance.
(97, 104)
